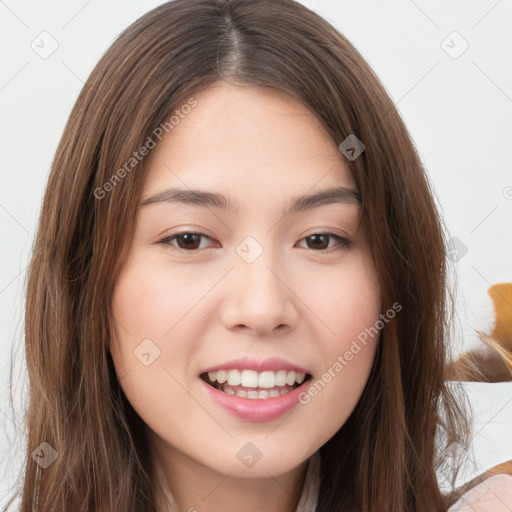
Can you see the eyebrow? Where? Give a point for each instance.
(216, 200)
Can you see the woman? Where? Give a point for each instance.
(263, 370)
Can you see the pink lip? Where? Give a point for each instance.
(257, 409)
(247, 363)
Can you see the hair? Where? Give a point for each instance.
(386, 455)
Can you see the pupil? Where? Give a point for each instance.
(316, 237)
(189, 241)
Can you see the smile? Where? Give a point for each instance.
(253, 384)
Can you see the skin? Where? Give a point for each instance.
(299, 300)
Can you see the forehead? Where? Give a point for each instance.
(249, 141)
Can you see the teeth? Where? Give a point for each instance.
(253, 379)
(267, 380)
(281, 378)
(260, 385)
(249, 379)
(234, 378)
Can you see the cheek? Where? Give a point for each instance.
(355, 312)
(347, 341)
(348, 351)
(151, 296)
(147, 311)
(149, 307)
(346, 302)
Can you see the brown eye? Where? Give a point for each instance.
(320, 241)
(185, 241)
(190, 241)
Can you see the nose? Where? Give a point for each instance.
(259, 298)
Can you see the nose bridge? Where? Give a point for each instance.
(255, 270)
(258, 296)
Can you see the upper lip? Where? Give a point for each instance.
(248, 363)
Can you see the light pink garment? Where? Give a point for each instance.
(492, 495)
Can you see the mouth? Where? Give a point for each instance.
(255, 385)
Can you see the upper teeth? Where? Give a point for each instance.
(253, 379)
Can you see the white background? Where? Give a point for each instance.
(458, 112)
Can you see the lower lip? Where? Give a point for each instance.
(256, 409)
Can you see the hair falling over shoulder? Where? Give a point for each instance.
(385, 457)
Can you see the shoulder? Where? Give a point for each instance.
(492, 495)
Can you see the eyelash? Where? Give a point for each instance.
(344, 243)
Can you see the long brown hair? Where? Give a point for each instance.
(386, 455)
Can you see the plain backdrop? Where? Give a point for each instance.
(446, 64)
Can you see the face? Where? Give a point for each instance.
(269, 296)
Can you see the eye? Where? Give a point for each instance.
(191, 241)
(318, 241)
(187, 241)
